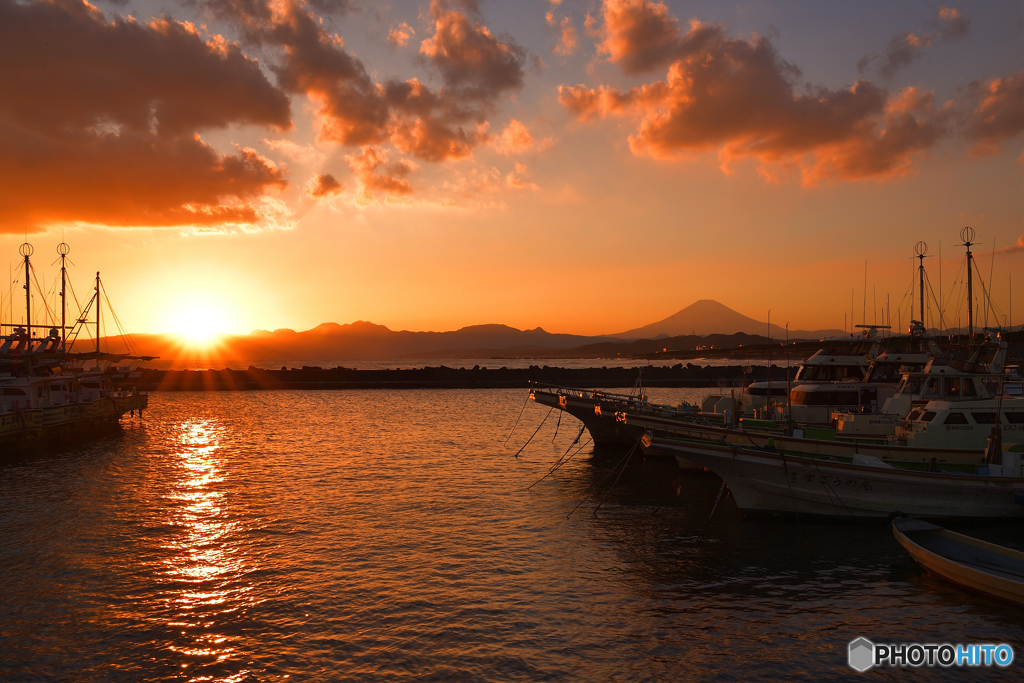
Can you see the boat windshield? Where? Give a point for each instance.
(829, 373)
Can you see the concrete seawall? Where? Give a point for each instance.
(446, 378)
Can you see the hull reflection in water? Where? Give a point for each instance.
(388, 535)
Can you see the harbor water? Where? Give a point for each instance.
(394, 535)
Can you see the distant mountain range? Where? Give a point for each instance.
(366, 341)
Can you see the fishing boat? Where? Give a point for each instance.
(776, 481)
(47, 389)
(964, 561)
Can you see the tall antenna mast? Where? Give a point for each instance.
(920, 249)
(967, 235)
(97, 320)
(63, 249)
(26, 250)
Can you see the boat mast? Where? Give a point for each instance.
(967, 234)
(26, 250)
(97, 320)
(920, 249)
(63, 250)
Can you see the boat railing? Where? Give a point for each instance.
(584, 393)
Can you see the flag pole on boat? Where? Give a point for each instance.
(920, 250)
(967, 235)
(26, 250)
(63, 249)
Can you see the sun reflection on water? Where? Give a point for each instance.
(206, 563)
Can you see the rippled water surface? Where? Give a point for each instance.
(387, 535)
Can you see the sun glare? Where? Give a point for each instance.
(198, 324)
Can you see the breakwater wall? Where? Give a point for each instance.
(443, 377)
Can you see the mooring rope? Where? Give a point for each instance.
(721, 490)
(792, 499)
(563, 460)
(535, 432)
(517, 419)
(624, 459)
(612, 487)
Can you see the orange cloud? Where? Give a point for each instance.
(740, 98)
(516, 181)
(514, 139)
(99, 121)
(323, 185)
(1013, 248)
(475, 65)
(639, 35)
(567, 38)
(434, 125)
(375, 173)
(401, 34)
(997, 112)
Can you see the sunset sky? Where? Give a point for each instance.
(583, 166)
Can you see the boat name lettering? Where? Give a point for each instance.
(834, 482)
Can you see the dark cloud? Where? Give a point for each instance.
(433, 124)
(902, 51)
(954, 24)
(740, 98)
(324, 185)
(475, 65)
(639, 35)
(907, 47)
(99, 120)
(352, 108)
(995, 112)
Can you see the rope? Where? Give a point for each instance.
(517, 419)
(117, 321)
(792, 498)
(721, 490)
(535, 432)
(828, 488)
(563, 460)
(625, 458)
(612, 487)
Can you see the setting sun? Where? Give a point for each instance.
(198, 323)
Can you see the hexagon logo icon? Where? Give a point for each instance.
(862, 654)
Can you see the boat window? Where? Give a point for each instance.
(13, 391)
(931, 388)
(914, 414)
(928, 416)
(1014, 418)
(951, 387)
(956, 419)
(984, 418)
(969, 388)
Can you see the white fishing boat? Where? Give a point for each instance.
(769, 480)
(967, 562)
